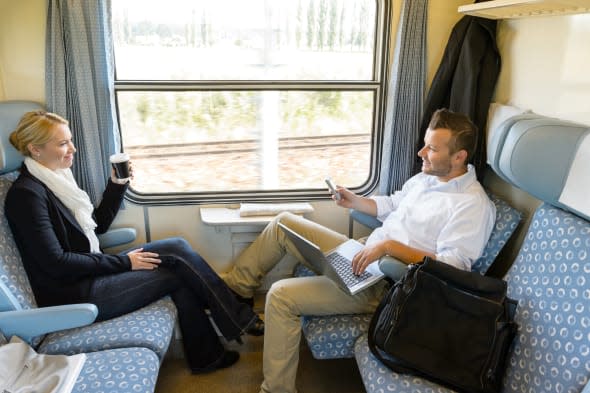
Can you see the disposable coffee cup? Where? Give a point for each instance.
(120, 163)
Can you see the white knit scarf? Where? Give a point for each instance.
(62, 183)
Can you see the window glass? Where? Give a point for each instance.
(246, 140)
(255, 96)
(244, 39)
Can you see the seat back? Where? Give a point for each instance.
(550, 278)
(507, 220)
(12, 273)
(15, 289)
(10, 114)
(546, 157)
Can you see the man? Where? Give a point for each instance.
(442, 212)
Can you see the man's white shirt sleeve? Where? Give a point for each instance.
(452, 220)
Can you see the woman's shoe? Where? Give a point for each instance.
(245, 300)
(229, 358)
(256, 328)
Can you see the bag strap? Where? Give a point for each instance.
(373, 323)
(411, 271)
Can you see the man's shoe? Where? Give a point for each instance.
(256, 328)
(229, 358)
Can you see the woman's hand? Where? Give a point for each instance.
(116, 180)
(143, 260)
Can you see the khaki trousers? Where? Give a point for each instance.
(290, 298)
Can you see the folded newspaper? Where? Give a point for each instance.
(271, 209)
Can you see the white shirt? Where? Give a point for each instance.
(452, 220)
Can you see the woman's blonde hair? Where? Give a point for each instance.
(34, 128)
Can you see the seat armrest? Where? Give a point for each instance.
(31, 323)
(392, 267)
(116, 237)
(367, 220)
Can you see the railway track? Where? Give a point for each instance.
(244, 146)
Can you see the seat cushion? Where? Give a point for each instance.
(333, 336)
(378, 378)
(150, 327)
(124, 370)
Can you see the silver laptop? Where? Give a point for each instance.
(337, 263)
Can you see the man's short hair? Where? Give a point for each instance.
(464, 132)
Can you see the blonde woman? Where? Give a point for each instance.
(55, 226)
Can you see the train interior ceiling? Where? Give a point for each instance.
(544, 69)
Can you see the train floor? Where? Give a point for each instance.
(313, 376)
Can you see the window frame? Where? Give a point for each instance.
(377, 85)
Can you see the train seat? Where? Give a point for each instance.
(550, 277)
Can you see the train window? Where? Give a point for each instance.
(249, 96)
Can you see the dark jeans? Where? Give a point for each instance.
(193, 286)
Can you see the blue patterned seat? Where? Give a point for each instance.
(333, 337)
(150, 327)
(551, 281)
(132, 370)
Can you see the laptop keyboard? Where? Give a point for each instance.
(344, 269)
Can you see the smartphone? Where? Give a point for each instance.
(332, 188)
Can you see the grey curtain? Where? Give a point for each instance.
(79, 84)
(405, 98)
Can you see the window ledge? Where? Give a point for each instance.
(217, 216)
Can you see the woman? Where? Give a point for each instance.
(55, 225)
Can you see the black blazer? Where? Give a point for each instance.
(465, 80)
(55, 252)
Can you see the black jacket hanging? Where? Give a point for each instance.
(466, 79)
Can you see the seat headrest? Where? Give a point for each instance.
(546, 157)
(10, 114)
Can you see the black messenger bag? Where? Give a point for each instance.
(447, 325)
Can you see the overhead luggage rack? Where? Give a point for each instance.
(507, 9)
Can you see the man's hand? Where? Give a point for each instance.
(347, 197)
(399, 251)
(350, 200)
(366, 256)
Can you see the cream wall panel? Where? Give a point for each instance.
(216, 243)
(22, 50)
(545, 65)
(442, 17)
(212, 243)
(130, 216)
